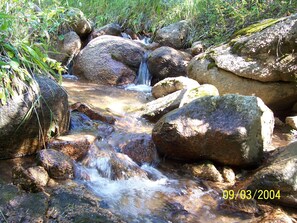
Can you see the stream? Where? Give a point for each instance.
(161, 191)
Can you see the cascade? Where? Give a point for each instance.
(143, 74)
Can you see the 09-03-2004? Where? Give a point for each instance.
(251, 194)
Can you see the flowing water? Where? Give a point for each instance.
(143, 75)
(160, 191)
(143, 79)
(157, 192)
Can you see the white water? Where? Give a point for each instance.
(141, 87)
(143, 75)
(135, 197)
(143, 79)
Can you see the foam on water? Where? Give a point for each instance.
(141, 87)
(130, 197)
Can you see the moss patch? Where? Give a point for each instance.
(256, 27)
(211, 65)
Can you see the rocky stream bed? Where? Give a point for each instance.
(105, 185)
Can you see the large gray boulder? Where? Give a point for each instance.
(229, 129)
(175, 35)
(109, 60)
(263, 63)
(276, 95)
(31, 116)
(269, 55)
(167, 62)
(280, 176)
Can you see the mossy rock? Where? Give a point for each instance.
(211, 65)
(257, 27)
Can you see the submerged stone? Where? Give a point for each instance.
(32, 179)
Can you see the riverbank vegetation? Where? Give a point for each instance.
(213, 21)
(27, 27)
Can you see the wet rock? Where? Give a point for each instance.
(83, 108)
(276, 215)
(18, 206)
(75, 146)
(141, 150)
(280, 175)
(20, 125)
(67, 48)
(167, 62)
(172, 84)
(175, 212)
(58, 165)
(76, 204)
(109, 60)
(277, 95)
(292, 121)
(230, 129)
(32, 179)
(105, 130)
(198, 92)
(154, 110)
(174, 35)
(115, 166)
(124, 168)
(243, 206)
(228, 175)
(80, 122)
(205, 171)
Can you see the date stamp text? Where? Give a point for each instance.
(249, 194)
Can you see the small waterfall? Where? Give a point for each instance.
(143, 75)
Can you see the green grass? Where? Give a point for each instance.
(212, 21)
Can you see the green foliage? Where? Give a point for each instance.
(25, 33)
(212, 21)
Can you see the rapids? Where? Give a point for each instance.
(157, 192)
